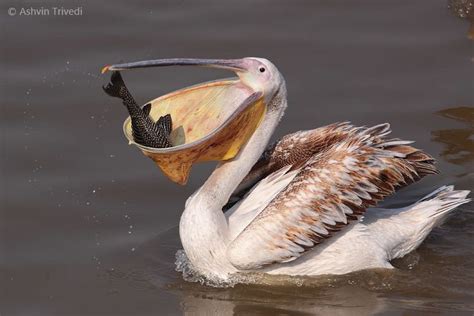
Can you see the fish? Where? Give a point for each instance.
(462, 8)
(145, 130)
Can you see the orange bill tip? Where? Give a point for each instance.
(105, 69)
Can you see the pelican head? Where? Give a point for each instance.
(259, 74)
(212, 120)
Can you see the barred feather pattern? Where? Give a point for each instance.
(343, 170)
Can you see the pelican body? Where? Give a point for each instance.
(305, 205)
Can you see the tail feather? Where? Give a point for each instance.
(434, 208)
(449, 199)
(446, 193)
(406, 229)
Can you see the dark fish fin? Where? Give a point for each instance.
(163, 131)
(165, 123)
(160, 125)
(115, 85)
(169, 123)
(146, 109)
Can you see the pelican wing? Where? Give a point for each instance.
(255, 201)
(294, 150)
(333, 187)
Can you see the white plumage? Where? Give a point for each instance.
(307, 203)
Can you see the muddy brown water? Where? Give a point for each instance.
(88, 224)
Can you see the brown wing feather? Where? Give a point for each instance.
(353, 170)
(294, 149)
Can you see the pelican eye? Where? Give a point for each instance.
(261, 69)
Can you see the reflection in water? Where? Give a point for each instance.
(417, 283)
(245, 300)
(459, 143)
(357, 293)
(464, 9)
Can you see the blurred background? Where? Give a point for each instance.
(88, 224)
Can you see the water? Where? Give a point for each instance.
(88, 225)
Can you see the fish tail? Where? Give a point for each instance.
(116, 85)
(144, 130)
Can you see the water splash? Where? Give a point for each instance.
(373, 279)
(190, 274)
